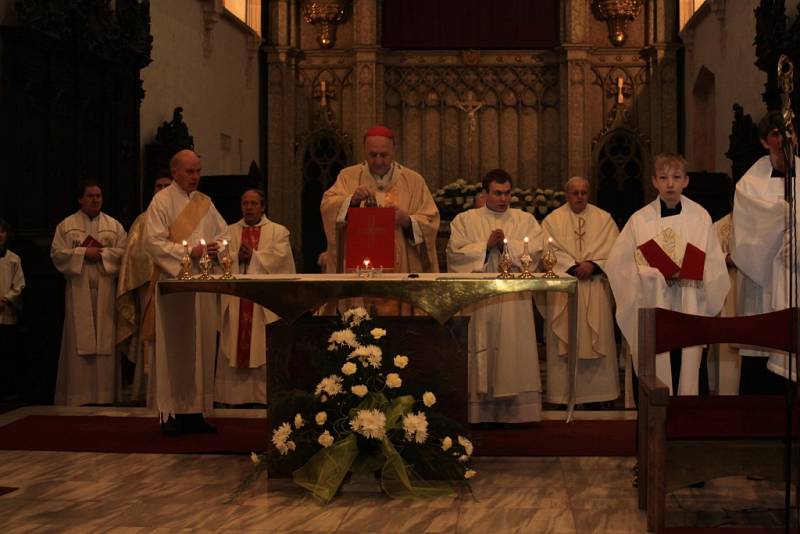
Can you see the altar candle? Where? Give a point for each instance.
(185, 247)
(224, 245)
(525, 240)
(205, 248)
(366, 263)
(505, 241)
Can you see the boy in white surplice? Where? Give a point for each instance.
(668, 256)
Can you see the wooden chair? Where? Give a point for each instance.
(689, 439)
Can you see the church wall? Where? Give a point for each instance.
(719, 38)
(217, 86)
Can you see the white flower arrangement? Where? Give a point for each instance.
(364, 415)
(460, 195)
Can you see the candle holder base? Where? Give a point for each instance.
(550, 275)
(527, 275)
(505, 276)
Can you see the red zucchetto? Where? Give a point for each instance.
(379, 130)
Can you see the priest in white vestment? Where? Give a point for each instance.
(504, 381)
(87, 249)
(582, 238)
(185, 324)
(257, 246)
(133, 296)
(668, 256)
(382, 182)
(12, 282)
(760, 245)
(725, 369)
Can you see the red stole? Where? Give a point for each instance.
(250, 237)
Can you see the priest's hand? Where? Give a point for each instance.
(93, 254)
(584, 270)
(495, 240)
(213, 249)
(245, 253)
(197, 251)
(401, 218)
(361, 194)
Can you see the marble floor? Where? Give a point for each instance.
(90, 492)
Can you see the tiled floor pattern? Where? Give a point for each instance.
(80, 492)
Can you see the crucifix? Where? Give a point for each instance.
(470, 105)
(620, 90)
(324, 92)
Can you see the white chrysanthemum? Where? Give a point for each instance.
(368, 355)
(280, 438)
(298, 421)
(325, 439)
(377, 333)
(467, 444)
(349, 368)
(356, 316)
(359, 390)
(320, 418)
(400, 361)
(416, 427)
(341, 338)
(469, 473)
(447, 443)
(255, 458)
(331, 385)
(428, 399)
(369, 423)
(393, 380)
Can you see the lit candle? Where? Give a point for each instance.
(525, 240)
(366, 263)
(224, 245)
(185, 247)
(205, 248)
(505, 241)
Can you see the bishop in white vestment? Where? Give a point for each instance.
(582, 238)
(760, 247)
(257, 246)
(504, 381)
(87, 249)
(185, 324)
(672, 235)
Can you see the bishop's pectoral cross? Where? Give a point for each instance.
(580, 233)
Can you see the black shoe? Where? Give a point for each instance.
(172, 427)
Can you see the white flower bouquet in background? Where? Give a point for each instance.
(360, 419)
(460, 195)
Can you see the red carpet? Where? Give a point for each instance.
(129, 434)
(557, 438)
(142, 435)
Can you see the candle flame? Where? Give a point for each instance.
(203, 242)
(505, 240)
(525, 239)
(184, 243)
(549, 239)
(224, 242)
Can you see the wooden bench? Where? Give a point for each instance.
(689, 439)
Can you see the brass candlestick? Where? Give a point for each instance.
(526, 261)
(505, 263)
(186, 264)
(205, 263)
(549, 260)
(225, 261)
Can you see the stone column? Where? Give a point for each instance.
(662, 68)
(575, 61)
(283, 196)
(368, 78)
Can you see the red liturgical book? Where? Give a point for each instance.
(370, 234)
(656, 257)
(694, 260)
(91, 242)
